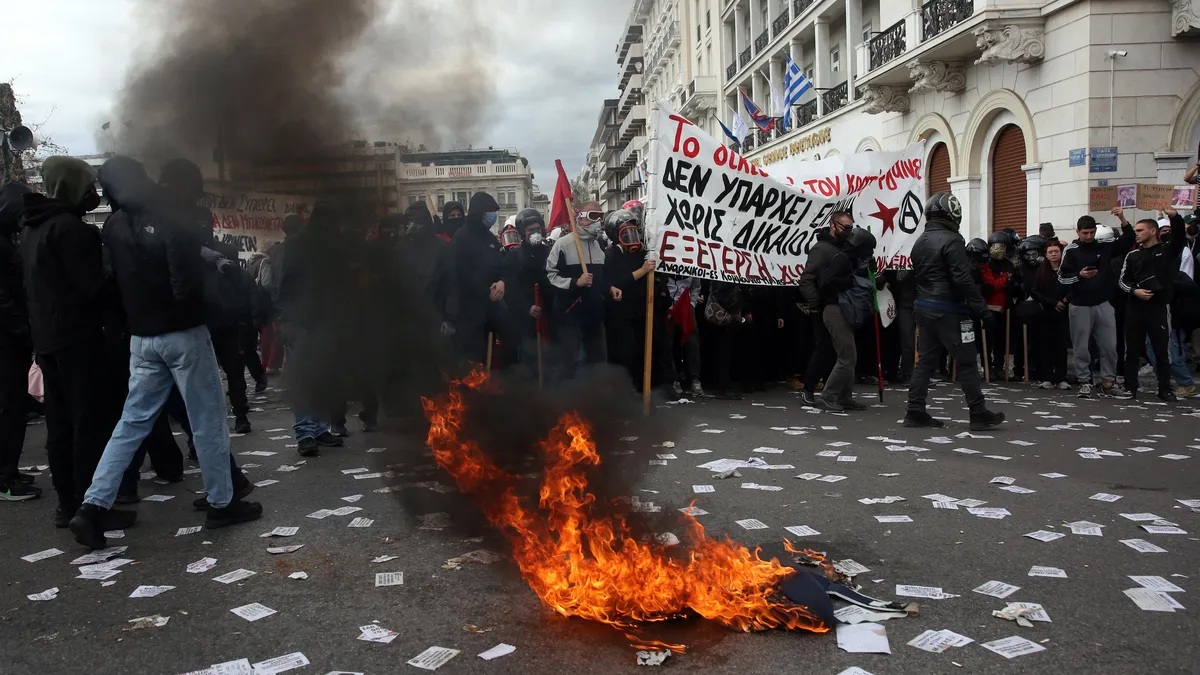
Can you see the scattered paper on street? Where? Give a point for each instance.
(234, 576)
(202, 565)
(1012, 647)
(48, 594)
(997, 589)
(497, 651)
(253, 612)
(389, 579)
(149, 591)
(433, 658)
(863, 638)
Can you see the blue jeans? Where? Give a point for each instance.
(1179, 364)
(308, 427)
(184, 359)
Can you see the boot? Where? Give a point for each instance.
(919, 419)
(241, 425)
(984, 419)
(87, 528)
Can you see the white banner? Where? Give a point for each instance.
(252, 221)
(714, 215)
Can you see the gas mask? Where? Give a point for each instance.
(1032, 258)
(510, 238)
(998, 251)
(629, 236)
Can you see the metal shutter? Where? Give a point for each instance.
(939, 170)
(1008, 180)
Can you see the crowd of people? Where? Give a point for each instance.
(132, 324)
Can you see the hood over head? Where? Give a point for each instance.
(324, 218)
(451, 225)
(68, 179)
(419, 219)
(481, 203)
(292, 224)
(12, 206)
(125, 183)
(183, 178)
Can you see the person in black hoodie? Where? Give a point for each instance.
(527, 289)
(828, 272)
(155, 254)
(453, 217)
(1148, 276)
(1049, 330)
(64, 286)
(626, 266)
(428, 259)
(479, 271)
(16, 350)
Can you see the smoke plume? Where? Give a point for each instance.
(280, 79)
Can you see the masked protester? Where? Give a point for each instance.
(947, 300)
(526, 289)
(453, 217)
(427, 258)
(578, 306)
(626, 267)
(998, 285)
(268, 280)
(1049, 332)
(16, 350)
(478, 265)
(829, 272)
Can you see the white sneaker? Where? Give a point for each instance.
(1046, 385)
(1146, 371)
(1064, 386)
(1085, 390)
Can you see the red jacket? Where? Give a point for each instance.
(995, 287)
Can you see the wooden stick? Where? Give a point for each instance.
(987, 355)
(647, 348)
(917, 347)
(575, 231)
(488, 365)
(1007, 341)
(1025, 334)
(953, 370)
(539, 357)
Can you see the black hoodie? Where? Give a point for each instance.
(450, 227)
(827, 272)
(478, 261)
(14, 316)
(427, 260)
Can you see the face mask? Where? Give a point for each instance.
(1193, 231)
(536, 238)
(997, 251)
(592, 230)
(90, 202)
(453, 223)
(510, 238)
(489, 219)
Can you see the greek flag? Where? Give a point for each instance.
(794, 86)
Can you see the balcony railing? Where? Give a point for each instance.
(834, 98)
(799, 7)
(744, 58)
(730, 70)
(887, 45)
(761, 41)
(805, 113)
(781, 22)
(749, 144)
(939, 16)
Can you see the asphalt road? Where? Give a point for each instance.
(1095, 628)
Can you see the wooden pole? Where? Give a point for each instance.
(541, 383)
(575, 231)
(488, 366)
(954, 370)
(1025, 335)
(1007, 341)
(647, 348)
(917, 346)
(878, 354)
(987, 361)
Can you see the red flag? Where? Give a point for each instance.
(559, 216)
(682, 314)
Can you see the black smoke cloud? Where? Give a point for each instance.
(283, 79)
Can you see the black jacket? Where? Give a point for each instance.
(478, 262)
(945, 282)
(829, 271)
(14, 315)
(64, 275)
(315, 275)
(1154, 269)
(524, 270)
(1078, 255)
(156, 260)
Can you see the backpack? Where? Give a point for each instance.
(855, 302)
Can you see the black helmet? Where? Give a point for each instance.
(527, 217)
(946, 206)
(977, 250)
(622, 228)
(999, 238)
(1031, 248)
(862, 240)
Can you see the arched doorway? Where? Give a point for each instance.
(938, 176)
(1008, 184)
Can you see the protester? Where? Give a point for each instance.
(269, 278)
(626, 268)
(16, 350)
(479, 270)
(578, 307)
(1088, 275)
(1049, 327)
(453, 217)
(526, 290)
(684, 294)
(428, 259)
(1030, 255)
(1182, 309)
(830, 271)
(948, 298)
(1148, 276)
(1000, 286)
(723, 313)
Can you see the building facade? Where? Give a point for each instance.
(456, 175)
(1023, 105)
(669, 51)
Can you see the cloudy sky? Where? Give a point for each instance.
(553, 63)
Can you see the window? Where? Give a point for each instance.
(808, 72)
(414, 199)
(835, 56)
(512, 198)
(708, 18)
(462, 198)
(697, 32)
(710, 60)
(700, 65)
(441, 200)
(866, 35)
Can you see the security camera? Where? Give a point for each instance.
(1114, 53)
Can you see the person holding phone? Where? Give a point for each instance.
(1090, 281)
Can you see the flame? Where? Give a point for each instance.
(593, 567)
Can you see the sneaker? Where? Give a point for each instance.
(1168, 397)
(308, 447)
(19, 492)
(809, 399)
(63, 515)
(337, 429)
(986, 419)
(261, 385)
(25, 478)
(676, 391)
(852, 404)
(237, 512)
(1085, 390)
(329, 440)
(794, 383)
(241, 425)
(831, 405)
(919, 419)
(201, 504)
(126, 498)
(1064, 386)
(1185, 392)
(87, 528)
(1046, 385)
(697, 390)
(1146, 371)
(1115, 392)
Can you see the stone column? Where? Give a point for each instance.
(966, 188)
(821, 61)
(853, 37)
(738, 31)
(1033, 197)
(777, 78)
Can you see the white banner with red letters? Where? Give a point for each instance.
(714, 215)
(252, 221)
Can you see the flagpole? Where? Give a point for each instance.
(875, 316)
(648, 345)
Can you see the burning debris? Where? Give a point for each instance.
(584, 564)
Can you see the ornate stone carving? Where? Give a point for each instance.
(882, 98)
(936, 76)
(1185, 17)
(1010, 43)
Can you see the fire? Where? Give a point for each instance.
(592, 567)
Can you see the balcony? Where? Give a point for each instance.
(671, 39)
(762, 40)
(939, 16)
(629, 156)
(799, 7)
(805, 114)
(730, 71)
(888, 45)
(749, 144)
(701, 94)
(633, 123)
(834, 98)
(744, 58)
(631, 96)
(781, 22)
